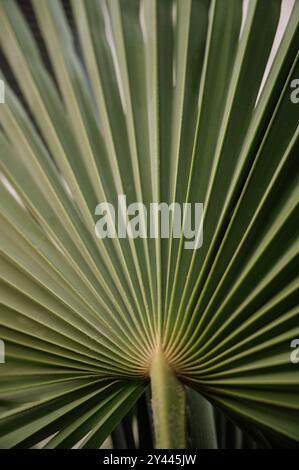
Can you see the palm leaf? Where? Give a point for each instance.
(160, 101)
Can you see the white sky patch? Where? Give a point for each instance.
(18, 199)
(11, 189)
(244, 16)
(66, 186)
(142, 21)
(110, 40)
(286, 10)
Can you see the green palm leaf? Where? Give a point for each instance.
(160, 101)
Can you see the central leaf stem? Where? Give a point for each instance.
(169, 405)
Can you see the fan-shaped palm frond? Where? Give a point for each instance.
(160, 101)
